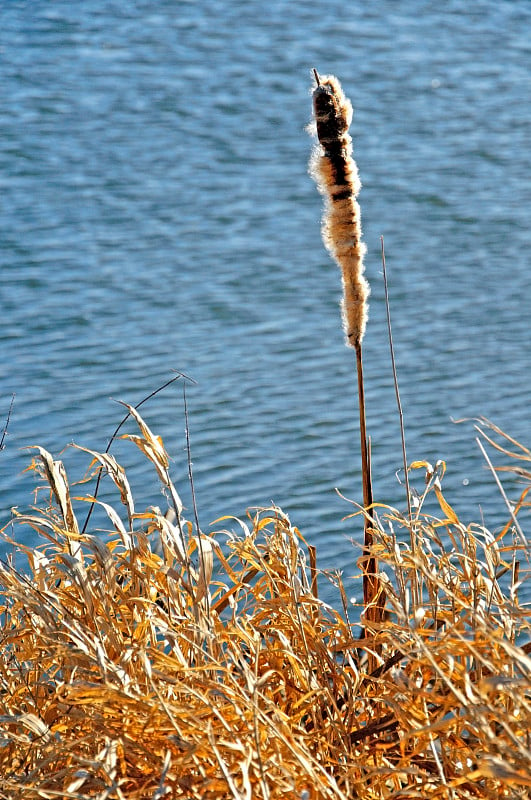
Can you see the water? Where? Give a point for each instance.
(157, 215)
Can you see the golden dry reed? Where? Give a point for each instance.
(336, 174)
(130, 670)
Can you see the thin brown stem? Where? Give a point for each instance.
(6, 426)
(397, 391)
(116, 432)
(370, 566)
(365, 461)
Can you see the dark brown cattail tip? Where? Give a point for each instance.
(316, 76)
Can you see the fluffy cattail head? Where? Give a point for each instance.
(336, 174)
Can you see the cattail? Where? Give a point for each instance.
(336, 175)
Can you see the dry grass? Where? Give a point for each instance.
(216, 672)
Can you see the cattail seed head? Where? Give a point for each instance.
(336, 175)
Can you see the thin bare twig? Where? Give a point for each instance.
(395, 381)
(117, 431)
(4, 432)
(194, 503)
(500, 487)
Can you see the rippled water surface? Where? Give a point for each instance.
(157, 215)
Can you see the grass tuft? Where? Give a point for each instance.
(156, 661)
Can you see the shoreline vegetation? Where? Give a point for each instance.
(151, 660)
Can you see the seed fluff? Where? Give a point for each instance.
(336, 174)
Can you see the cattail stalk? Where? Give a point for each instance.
(336, 174)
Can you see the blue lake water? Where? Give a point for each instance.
(157, 215)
